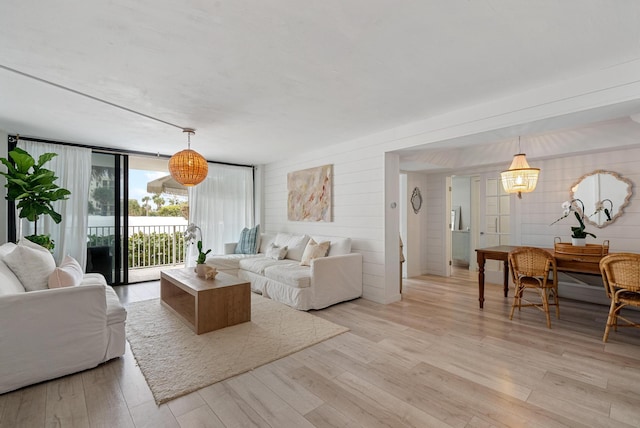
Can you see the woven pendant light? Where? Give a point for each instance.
(188, 167)
(520, 177)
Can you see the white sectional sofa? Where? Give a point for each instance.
(48, 333)
(328, 280)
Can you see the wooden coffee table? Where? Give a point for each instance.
(205, 305)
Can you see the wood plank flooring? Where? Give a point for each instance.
(433, 359)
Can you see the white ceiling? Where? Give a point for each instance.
(262, 79)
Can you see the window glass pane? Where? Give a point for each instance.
(492, 188)
(504, 224)
(101, 223)
(492, 206)
(492, 224)
(505, 205)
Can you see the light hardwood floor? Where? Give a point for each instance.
(434, 359)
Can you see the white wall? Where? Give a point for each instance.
(358, 201)
(362, 168)
(414, 251)
(538, 209)
(361, 165)
(533, 214)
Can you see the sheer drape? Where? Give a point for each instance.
(72, 166)
(222, 205)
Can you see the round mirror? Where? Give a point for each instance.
(604, 195)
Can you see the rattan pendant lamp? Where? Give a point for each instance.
(188, 167)
(520, 177)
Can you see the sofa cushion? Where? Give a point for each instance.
(68, 274)
(93, 279)
(276, 253)
(257, 265)
(116, 312)
(248, 242)
(266, 239)
(314, 250)
(32, 264)
(339, 246)
(229, 261)
(292, 275)
(9, 282)
(295, 243)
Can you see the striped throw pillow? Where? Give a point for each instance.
(248, 242)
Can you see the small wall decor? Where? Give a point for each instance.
(310, 196)
(416, 200)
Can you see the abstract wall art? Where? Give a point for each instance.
(310, 194)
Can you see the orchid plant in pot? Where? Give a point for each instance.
(578, 233)
(190, 236)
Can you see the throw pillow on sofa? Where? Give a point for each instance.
(68, 274)
(314, 250)
(276, 253)
(9, 282)
(248, 242)
(32, 264)
(295, 243)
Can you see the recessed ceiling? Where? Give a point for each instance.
(262, 80)
(593, 131)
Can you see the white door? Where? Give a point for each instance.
(496, 225)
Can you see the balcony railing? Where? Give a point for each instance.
(149, 246)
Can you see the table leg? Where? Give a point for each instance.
(506, 278)
(481, 262)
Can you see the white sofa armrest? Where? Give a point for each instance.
(336, 279)
(50, 333)
(230, 247)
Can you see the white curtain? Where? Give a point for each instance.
(222, 205)
(72, 166)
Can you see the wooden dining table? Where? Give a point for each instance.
(564, 263)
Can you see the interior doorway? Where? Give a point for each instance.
(461, 214)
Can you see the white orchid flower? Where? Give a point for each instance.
(190, 233)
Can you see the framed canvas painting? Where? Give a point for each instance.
(309, 194)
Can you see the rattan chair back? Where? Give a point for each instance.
(530, 268)
(530, 262)
(621, 278)
(621, 270)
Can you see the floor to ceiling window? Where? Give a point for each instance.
(136, 213)
(105, 222)
(158, 214)
(136, 225)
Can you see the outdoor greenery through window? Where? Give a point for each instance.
(157, 216)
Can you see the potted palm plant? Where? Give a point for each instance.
(33, 186)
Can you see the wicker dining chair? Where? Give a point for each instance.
(621, 278)
(530, 268)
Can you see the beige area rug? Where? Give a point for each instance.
(175, 361)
